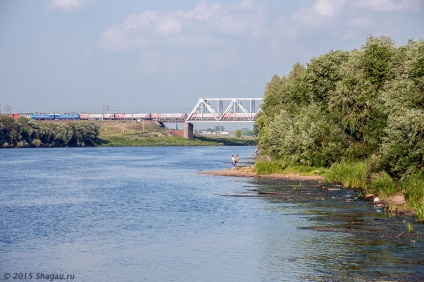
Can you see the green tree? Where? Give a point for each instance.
(307, 138)
(402, 151)
(238, 133)
(322, 75)
(11, 130)
(218, 128)
(377, 57)
(354, 104)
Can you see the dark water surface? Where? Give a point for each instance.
(145, 214)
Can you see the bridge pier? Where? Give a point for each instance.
(188, 131)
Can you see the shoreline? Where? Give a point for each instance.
(382, 202)
(248, 172)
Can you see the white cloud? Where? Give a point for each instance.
(205, 25)
(203, 11)
(325, 8)
(169, 25)
(390, 5)
(67, 5)
(319, 13)
(223, 30)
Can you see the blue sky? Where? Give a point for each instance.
(162, 56)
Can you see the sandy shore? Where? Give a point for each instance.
(248, 172)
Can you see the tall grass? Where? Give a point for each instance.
(413, 188)
(352, 175)
(268, 167)
(263, 166)
(382, 184)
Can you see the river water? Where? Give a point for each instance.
(146, 214)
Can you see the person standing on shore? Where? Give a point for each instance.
(233, 162)
(237, 161)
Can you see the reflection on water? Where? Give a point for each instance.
(144, 214)
(373, 245)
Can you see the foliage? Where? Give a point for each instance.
(25, 132)
(402, 151)
(238, 133)
(322, 75)
(247, 132)
(307, 138)
(359, 112)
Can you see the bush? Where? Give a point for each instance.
(36, 143)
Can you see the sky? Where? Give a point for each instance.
(162, 56)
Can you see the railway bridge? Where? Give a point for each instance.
(219, 110)
(212, 110)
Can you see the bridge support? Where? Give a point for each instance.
(188, 131)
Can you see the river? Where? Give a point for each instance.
(146, 214)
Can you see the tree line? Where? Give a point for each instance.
(25, 132)
(347, 106)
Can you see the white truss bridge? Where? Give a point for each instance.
(225, 110)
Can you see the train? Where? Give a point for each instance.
(100, 116)
(164, 117)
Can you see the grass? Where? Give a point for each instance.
(351, 175)
(413, 188)
(270, 167)
(409, 227)
(382, 184)
(123, 141)
(120, 134)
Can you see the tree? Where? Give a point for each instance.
(238, 133)
(354, 103)
(377, 57)
(307, 138)
(322, 75)
(218, 128)
(25, 132)
(402, 151)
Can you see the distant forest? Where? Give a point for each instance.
(348, 106)
(25, 132)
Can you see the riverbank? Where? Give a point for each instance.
(249, 172)
(149, 133)
(395, 204)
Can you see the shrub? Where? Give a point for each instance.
(36, 143)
